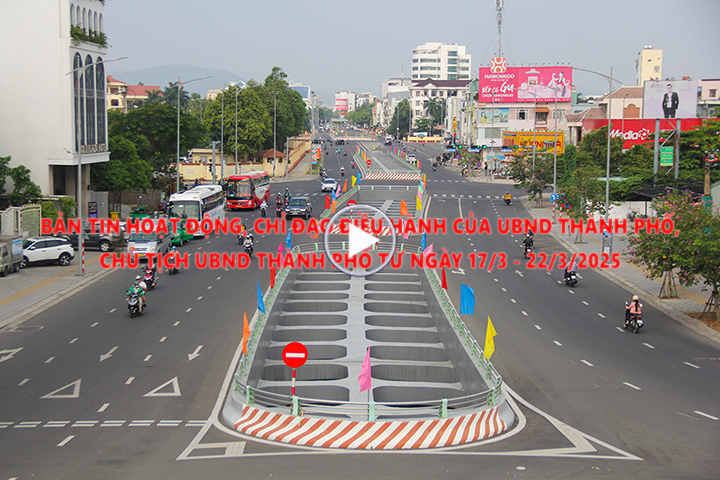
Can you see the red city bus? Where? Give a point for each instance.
(247, 190)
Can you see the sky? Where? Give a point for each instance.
(333, 45)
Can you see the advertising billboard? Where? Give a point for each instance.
(544, 141)
(341, 105)
(670, 99)
(488, 116)
(637, 131)
(525, 84)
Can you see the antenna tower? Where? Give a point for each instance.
(499, 5)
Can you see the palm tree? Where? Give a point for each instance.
(170, 94)
(433, 109)
(153, 96)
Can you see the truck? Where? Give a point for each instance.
(11, 253)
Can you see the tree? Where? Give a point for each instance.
(534, 181)
(124, 171)
(400, 120)
(423, 125)
(361, 115)
(434, 109)
(153, 96)
(582, 195)
(197, 105)
(24, 189)
(170, 96)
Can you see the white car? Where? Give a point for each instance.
(47, 249)
(328, 185)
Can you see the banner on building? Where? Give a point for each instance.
(525, 84)
(637, 131)
(488, 116)
(670, 99)
(545, 141)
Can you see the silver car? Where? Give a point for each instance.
(328, 185)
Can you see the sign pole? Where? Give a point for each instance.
(292, 392)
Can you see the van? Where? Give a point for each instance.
(388, 140)
(144, 243)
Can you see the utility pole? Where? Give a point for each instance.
(275, 133)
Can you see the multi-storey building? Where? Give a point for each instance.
(649, 64)
(439, 61)
(120, 95)
(53, 102)
(444, 91)
(394, 90)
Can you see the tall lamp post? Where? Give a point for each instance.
(177, 172)
(275, 131)
(78, 149)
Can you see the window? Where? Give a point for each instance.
(464, 60)
(114, 103)
(559, 114)
(78, 89)
(464, 69)
(452, 54)
(452, 69)
(100, 100)
(452, 76)
(452, 61)
(90, 100)
(522, 114)
(713, 92)
(657, 68)
(415, 60)
(541, 117)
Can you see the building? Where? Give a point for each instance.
(394, 90)
(345, 102)
(708, 97)
(440, 61)
(55, 80)
(363, 98)
(648, 65)
(304, 90)
(212, 93)
(120, 95)
(445, 91)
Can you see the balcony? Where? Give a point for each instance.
(79, 35)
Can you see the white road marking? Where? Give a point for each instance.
(186, 311)
(649, 346)
(5, 424)
(571, 292)
(49, 359)
(218, 278)
(113, 423)
(195, 354)
(176, 324)
(196, 423)
(513, 300)
(147, 359)
(94, 324)
(496, 279)
(706, 415)
(65, 442)
(619, 329)
(111, 311)
(27, 425)
(587, 363)
(74, 340)
(156, 391)
(557, 343)
(23, 382)
(585, 303)
(10, 353)
(141, 423)
(200, 297)
(55, 424)
(169, 423)
(524, 313)
(129, 380)
(103, 408)
(163, 339)
(504, 289)
(690, 364)
(108, 354)
(538, 327)
(601, 315)
(559, 282)
(84, 423)
(209, 287)
(632, 386)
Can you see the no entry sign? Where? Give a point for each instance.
(351, 203)
(369, 162)
(295, 354)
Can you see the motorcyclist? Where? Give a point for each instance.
(569, 270)
(287, 196)
(342, 171)
(173, 256)
(139, 288)
(249, 243)
(635, 308)
(263, 207)
(527, 242)
(507, 197)
(278, 200)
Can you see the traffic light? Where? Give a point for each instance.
(209, 167)
(484, 147)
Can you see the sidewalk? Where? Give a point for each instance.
(300, 172)
(631, 276)
(39, 287)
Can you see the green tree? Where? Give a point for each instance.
(254, 124)
(124, 171)
(400, 120)
(197, 105)
(361, 115)
(170, 96)
(423, 124)
(24, 189)
(534, 181)
(153, 96)
(583, 194)
(434, 109)
(4, 172)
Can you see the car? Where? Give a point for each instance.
(142, 243)
(102, 241)
(328, 185)
(47, 249)
(180, 235)
(141, 212)
(299, 206)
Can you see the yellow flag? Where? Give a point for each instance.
(418, 204)
(246, 333)
(353, 179)
(489, 342)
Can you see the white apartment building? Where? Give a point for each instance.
(440, 61)
(648, 65)
(394, 90)
(443, 90)
(345, 101)
(41, 101)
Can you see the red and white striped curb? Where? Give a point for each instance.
(418, 434)
(393, 176)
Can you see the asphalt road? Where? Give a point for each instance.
(139, 390)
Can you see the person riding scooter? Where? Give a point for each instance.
(508, 198)
(263, 208)
(527, 243)
(342, 171)
(249, 244)
(635, 308)
(139, 288)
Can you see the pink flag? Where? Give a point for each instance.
(365, 373)
(428, 249)
(280, 254)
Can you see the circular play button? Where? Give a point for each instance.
(357, 240)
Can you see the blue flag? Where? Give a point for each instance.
(288, 240)
(358, 179)
(261, 302)
(422, 242)
(467, 300)
(334, 197)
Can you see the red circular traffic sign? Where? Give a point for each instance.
(351, 203)
(369, 162)
(295, 354)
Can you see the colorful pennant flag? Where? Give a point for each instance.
(352, 180)
(272, 277)
(334, 206)
(328, 202)
(403, 208)
(418, 204)
(246, 333)
(489, 341)
(280, 253)
(443, 282)
(365, 373)
(345, 186)
(428, 250)
(423, 240)
(261, 300)
(467, 300)
(288, 240)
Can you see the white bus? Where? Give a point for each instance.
(203, 201)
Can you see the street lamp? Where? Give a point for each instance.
(275, 131)
(177, 170)
(78, 112)
(622, 129)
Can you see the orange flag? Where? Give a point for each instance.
(246, 333)
(334, 204)
(345, 186)
(403, 208)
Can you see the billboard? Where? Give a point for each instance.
(341, 105)
(525, 84)
(636, 131)
(488, 116)
(544, 141)
(670, 99)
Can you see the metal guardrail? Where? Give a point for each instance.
(300, 406)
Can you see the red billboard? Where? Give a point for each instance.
(341, 105)
(636, 131)
(500, 84)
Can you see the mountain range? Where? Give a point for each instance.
(164, 74)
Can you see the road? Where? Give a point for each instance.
(125, 397)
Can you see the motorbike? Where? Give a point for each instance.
(507, 201)
(279, 210)
(635, 322)
(342, 173)
(345, 153)
(249, 249)
(174, 269)
(263, 211)
(434, 167)
(241, 238)
(150, 277)
(526, 251)
(571, 279)
(352, 165)
(134, 305)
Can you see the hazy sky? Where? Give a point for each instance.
(336, 44)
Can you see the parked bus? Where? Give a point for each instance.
(198, 203)
(248, 190)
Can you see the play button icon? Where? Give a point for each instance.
(359, 240)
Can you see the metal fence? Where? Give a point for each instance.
(331, 408)
(23, 220)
